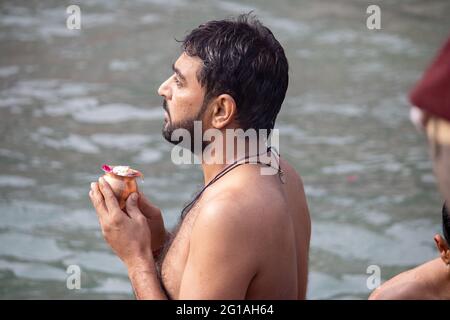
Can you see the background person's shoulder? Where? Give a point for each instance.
(402, 287)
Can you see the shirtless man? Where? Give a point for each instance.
(247, 235)
(429, 281)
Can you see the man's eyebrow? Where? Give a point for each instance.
(178, 72)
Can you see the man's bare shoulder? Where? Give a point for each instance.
(246, 189)
(408, 285)
(291, 172)
(230, 210)
(249, 203)
(238, 216)
(225, 231)
(412, 290)
(296, 188)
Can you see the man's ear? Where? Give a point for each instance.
(223, 111)
(443, 248)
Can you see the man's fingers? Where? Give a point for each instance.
(132, 207)
(144, 205)
(97, 200)
(110, 199)
(147, 208)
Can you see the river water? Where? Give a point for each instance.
(71, 100)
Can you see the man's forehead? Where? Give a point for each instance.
(188, 65)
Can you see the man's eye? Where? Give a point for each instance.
(178, 82)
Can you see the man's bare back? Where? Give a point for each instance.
(250, 233)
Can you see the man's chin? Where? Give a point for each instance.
(186, 142)
(167, 133)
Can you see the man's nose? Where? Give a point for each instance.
(164, 90)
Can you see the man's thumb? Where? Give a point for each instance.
(132, 205)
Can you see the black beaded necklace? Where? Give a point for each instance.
(230, 167)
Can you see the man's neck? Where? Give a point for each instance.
(219, 160)
(211, 170)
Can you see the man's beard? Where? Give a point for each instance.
(187, 124)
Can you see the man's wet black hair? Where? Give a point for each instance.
(446, 224)
(242, 58)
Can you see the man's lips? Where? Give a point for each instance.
(166, 111)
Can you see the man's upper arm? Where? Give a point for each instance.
(222, 259)
(400, 291)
